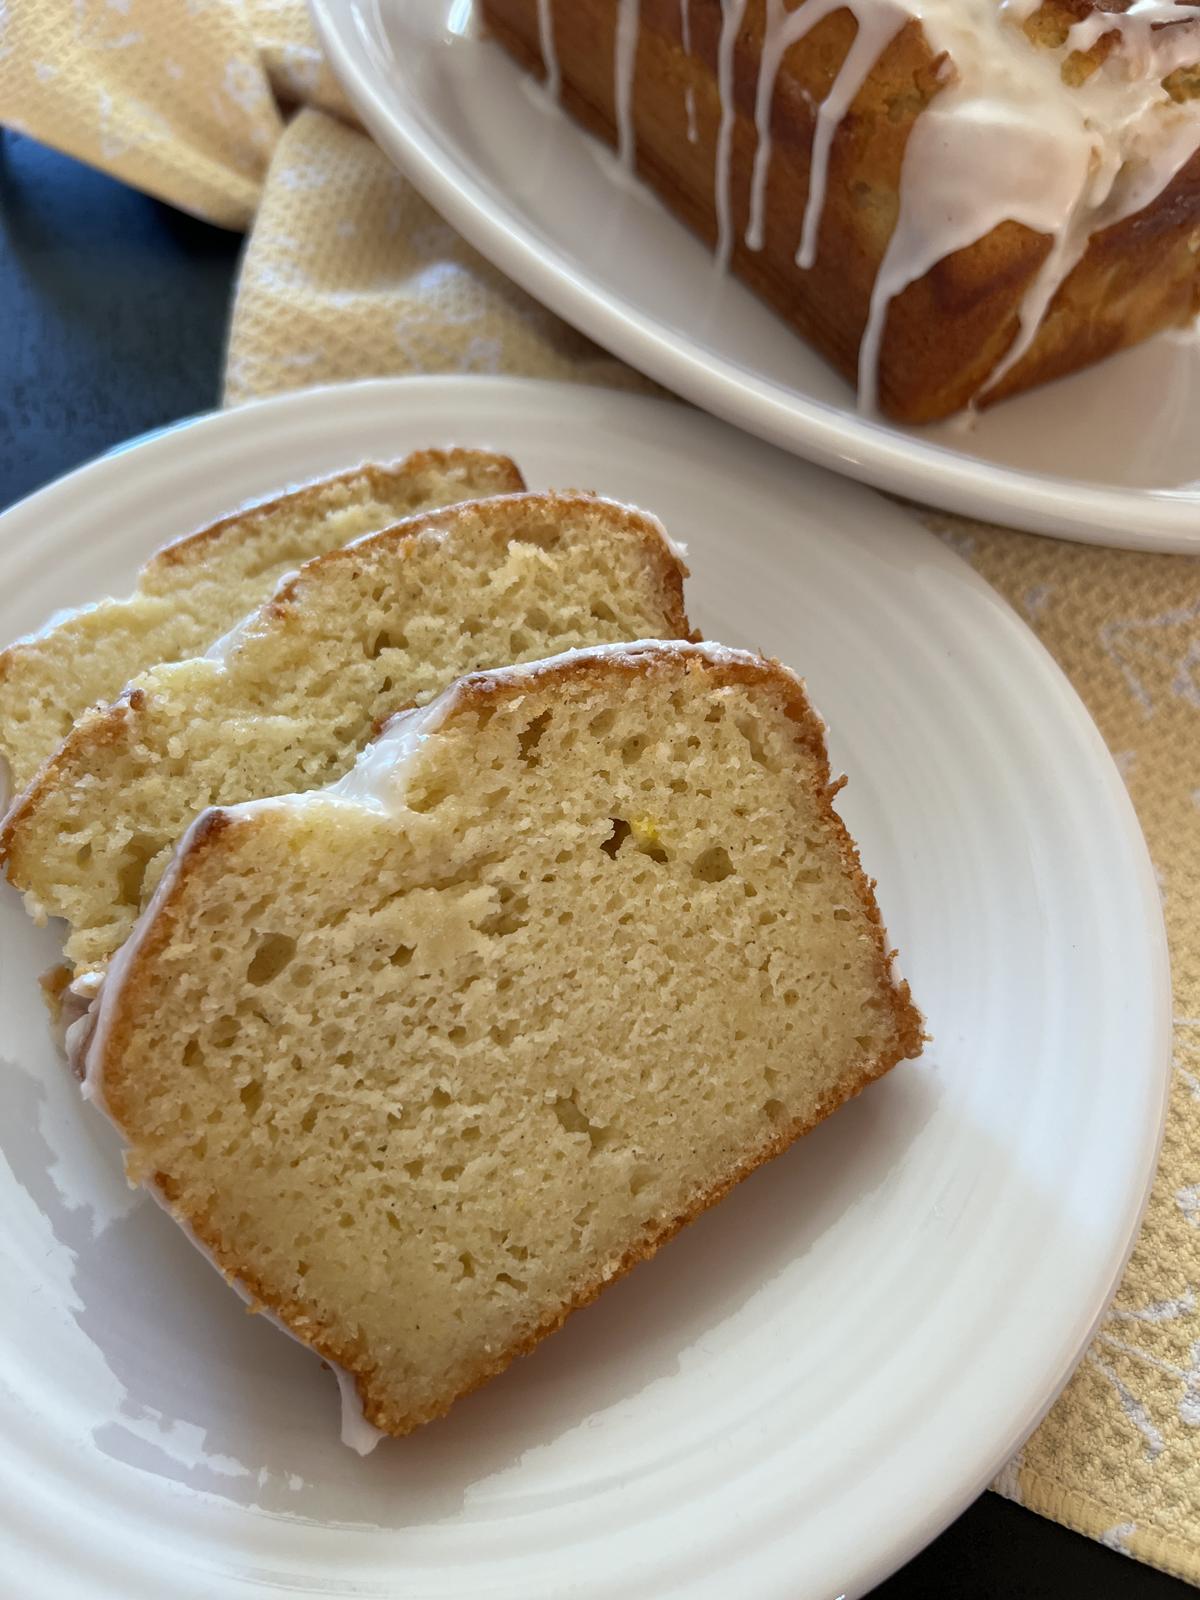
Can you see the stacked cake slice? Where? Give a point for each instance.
(286, 701)
(196, 587)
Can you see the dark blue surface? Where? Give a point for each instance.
(113, 311)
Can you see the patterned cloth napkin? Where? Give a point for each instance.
(226, 109)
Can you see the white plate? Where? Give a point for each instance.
(1110, 456)
(818, 1374)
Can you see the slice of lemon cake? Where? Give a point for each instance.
(193, 590)
(426, 1059)
(287, 700)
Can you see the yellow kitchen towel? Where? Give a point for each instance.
(349, 273)
(338, 231)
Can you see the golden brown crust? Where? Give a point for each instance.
(945, 333)
(388, 1419)
(194, 546)
(506, 514)
(475, 692)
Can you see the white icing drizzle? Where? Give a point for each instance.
(677, 548)
(76, 1015)
(549, 49)
(1185, 338)
(689, 107)
(77, 1030)
(1148, 50)
(689, 93)
(92, 1039)
(877, 28)
(1018, 11)
(624, 64)
(1125, 184)
(220, 650)
(732, 12)
(376, 780)
(1004, 138)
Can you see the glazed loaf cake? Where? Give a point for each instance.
(195, 588)
(426, 1060)
(952, 202)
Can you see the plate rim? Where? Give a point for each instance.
(872, 451)
(382, 393)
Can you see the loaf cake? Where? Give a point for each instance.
(196, 588)
(286, 701)
(426, 1059)
(952, 201)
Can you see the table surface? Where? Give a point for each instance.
(113, 311)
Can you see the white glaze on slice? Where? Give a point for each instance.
(357, 1433)
(90, 1034)
(379, 778)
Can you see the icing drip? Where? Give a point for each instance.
(624, 63)
(732, 12)
(689, 94)
(549, 51)
(1185, 338)
(947, 208)
(1126, 179)
(1130, 191)
(1005, 138)
(378, 780)
(876, 30)
(358, 1434)
(1018, 11)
